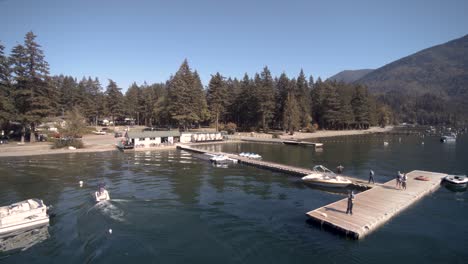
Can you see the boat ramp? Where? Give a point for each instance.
(373, 207)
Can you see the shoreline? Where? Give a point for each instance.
(95, 144)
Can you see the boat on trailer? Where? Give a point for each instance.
(325, 177)
(25, 214)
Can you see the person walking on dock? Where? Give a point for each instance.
(349, 210)
(371, 176)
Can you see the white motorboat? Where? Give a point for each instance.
(250, 155)
(456, 179)
(325, 177)
(222, 159)
(24, 214)
(449, 138)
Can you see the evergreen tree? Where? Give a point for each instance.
(318, 97)
(247, 104)
(303, 99)
(114, 100)
(216, 97)
(181, 104)
(282, 92)
(265, 94)
(6, 105)
(331, 107)
(31, 91)
(132, 99)
(291, 113)
(200, 104)
(360, 107)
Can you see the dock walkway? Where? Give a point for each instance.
(283, 141)
(374, 207)
(291, 170)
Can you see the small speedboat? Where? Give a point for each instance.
(449, 138)
(222, 159)
(325, 177)
(456, 179)
(25, 214)
(250, 155)
(254, 156)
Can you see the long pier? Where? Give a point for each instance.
(282, 141)
(291, 170)
(374, 207)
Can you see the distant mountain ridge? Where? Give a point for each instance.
(349, 76)
(441, 69)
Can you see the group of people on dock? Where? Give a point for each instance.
(401, 180)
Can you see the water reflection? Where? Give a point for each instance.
(22, 240)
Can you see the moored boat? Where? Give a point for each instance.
(456, 179)
(21, 215)
(222, 159)
(449, 138)
(325, 177)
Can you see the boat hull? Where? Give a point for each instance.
(4, 231)
(327, 184)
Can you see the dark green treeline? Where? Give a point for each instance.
(29, 95)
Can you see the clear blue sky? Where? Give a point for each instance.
(147, 40)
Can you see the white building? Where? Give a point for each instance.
(194, 137)
(147, 139)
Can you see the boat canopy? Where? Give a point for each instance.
(322, 169)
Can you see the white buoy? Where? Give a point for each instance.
(81, 183)
(110, 231)
(422, 143)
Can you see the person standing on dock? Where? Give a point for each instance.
(339, 169)
(403, 181)
(349, 210)
(399, 179)
(371, 176)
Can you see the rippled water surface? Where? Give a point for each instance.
(172, 207)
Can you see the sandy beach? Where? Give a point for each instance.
(101, 143)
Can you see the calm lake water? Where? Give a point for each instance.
(172, 207)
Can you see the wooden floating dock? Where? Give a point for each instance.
(374, 207)
(291, 170)
(282, 141)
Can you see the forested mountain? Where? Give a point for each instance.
(30, 96)
(428, 87)
(349, 76)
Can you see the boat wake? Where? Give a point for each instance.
(110, 210)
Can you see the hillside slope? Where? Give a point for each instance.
(349, 76)
(442, 70)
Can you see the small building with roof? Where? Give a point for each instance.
(147, 139)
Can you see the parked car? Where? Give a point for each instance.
(118, 134)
